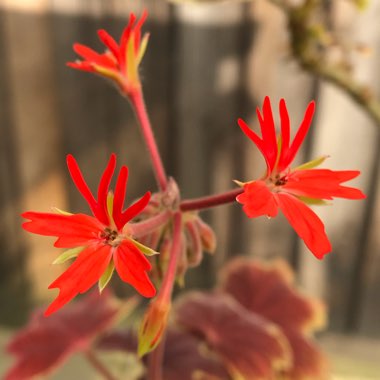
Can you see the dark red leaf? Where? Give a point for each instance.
(267, 290)
(183, 357)
(308, 361)
(249, 346)
(45, 343)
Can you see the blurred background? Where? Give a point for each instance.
(206, 65)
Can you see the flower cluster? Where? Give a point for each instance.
(121, 60)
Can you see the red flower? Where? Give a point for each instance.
(121, 60)
(101, 242)
(292, 189)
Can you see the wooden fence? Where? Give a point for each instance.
(206, 66)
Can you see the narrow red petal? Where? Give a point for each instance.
(323, 184)
(306, 223)
(71, 230)
(256, 140)
(92, 56)
(258, 200)
(132, 267)
(110, 43)
(135, 209)
(81, 275)
(300, 136)
(80, 183)
(137, 30)
(104, 187)
(124, 40)
(83, 65)
(268, 131)
(285, 133)
(119, 197)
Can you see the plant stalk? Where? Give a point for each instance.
(139, 107)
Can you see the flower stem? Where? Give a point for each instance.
(155, 360)
(149, 225)
(98, 365)
(137, 100)
(210, 201)
(175, 250)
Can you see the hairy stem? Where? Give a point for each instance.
(149, 225)
(155, 358)
(210, 201)
(138, 103)
(175, 251)
(98, 365)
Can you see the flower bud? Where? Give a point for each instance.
(153, 326)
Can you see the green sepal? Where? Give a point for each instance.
(67, 255)
(312, 164)
(62, 212)
(313, 201)
(144, 249)
(106, 276)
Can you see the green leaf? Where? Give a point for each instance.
(67, 255)
(106, 276)
(144, 249)
(312, 164)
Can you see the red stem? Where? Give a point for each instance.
(175, 250)
(137, 100)
(155, 361)
(155, 358)
(98, 365)
(210, 201)
(149, 225)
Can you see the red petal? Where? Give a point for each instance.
(110, 43)
(137, 30)
(98, 209)
(255, 139)
(323, 184)
(306, 223)
(104, 186)
(288, 156)
(258, 200)
(93, 57)
(71, 230)
(81, 275)
(132, 265)
(285, 132)
(268, 131)
(118, 200)
(124, 40)
(135, 209)
(83, 65)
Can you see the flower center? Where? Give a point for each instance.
(278, 180)
(110, 236)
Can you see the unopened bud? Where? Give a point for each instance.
(153, 326)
